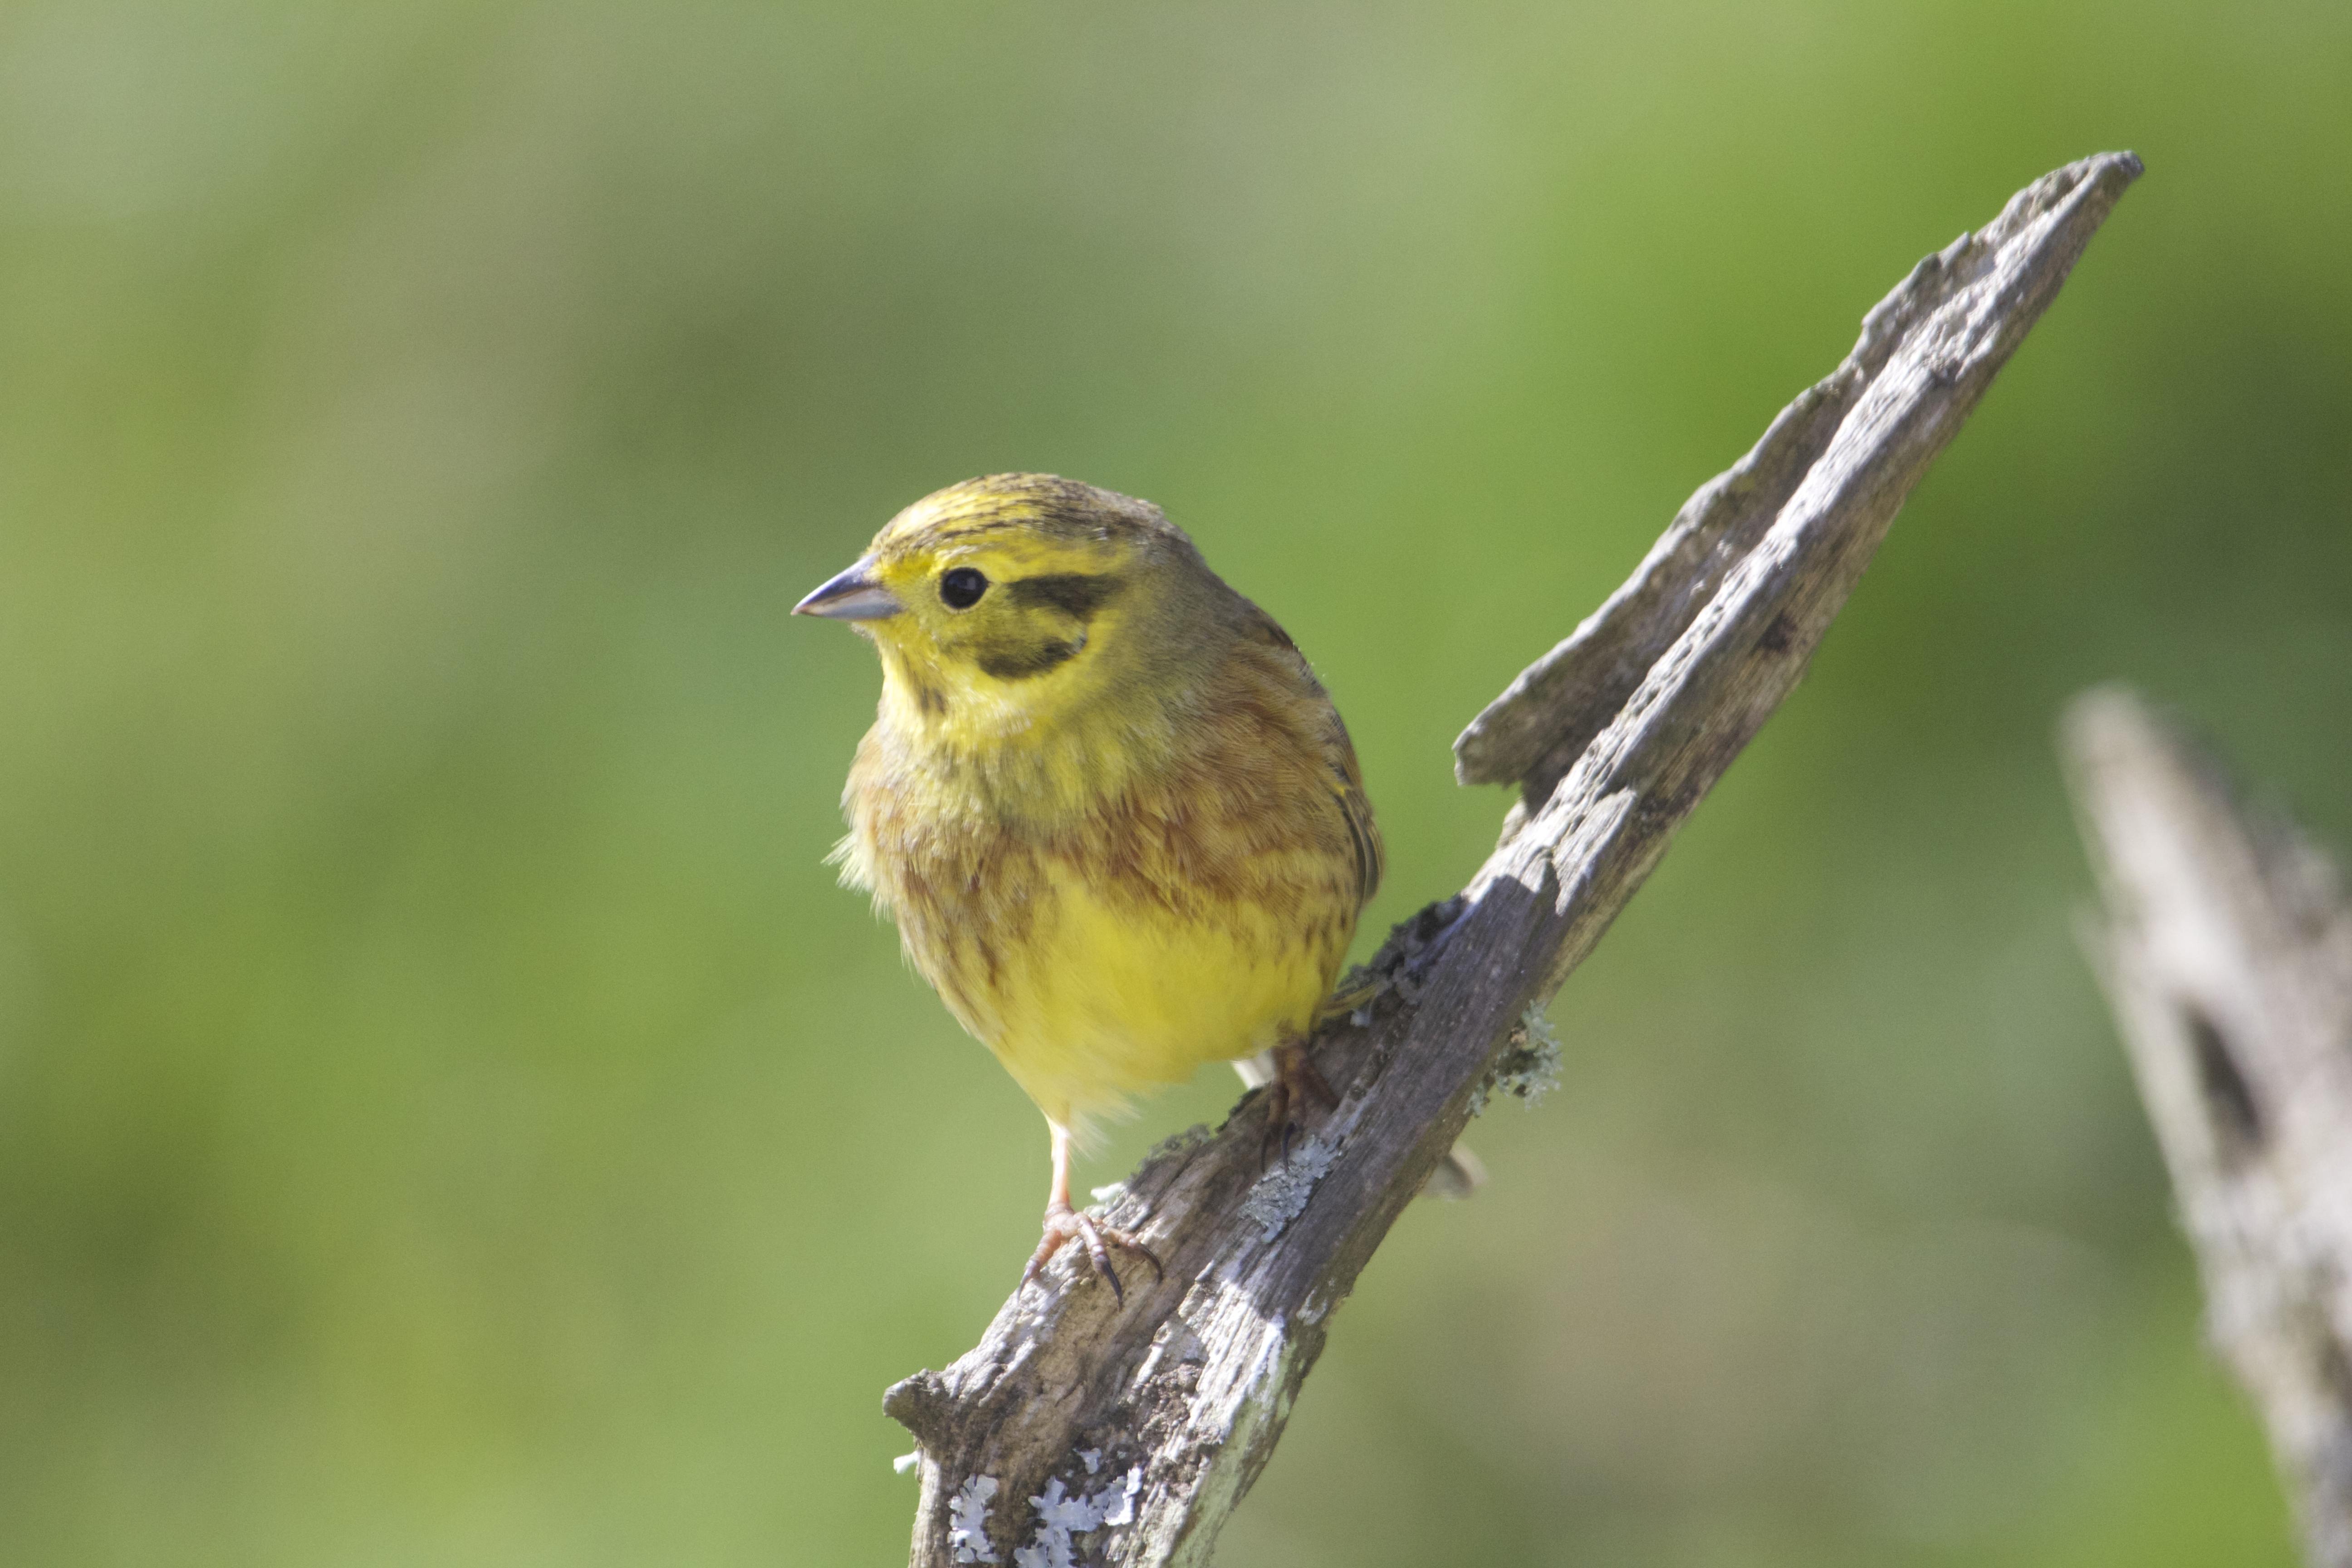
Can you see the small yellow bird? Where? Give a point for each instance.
(1119, 823)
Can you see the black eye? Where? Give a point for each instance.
(960, 588)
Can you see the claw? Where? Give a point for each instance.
(1065, 1225)
(1296, 1080)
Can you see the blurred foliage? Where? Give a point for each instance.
(447, 1114)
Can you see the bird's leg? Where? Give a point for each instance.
(1295, 1083)
(1064, 1224)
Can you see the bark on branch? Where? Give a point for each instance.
(2227, 954)
(1082, 1431)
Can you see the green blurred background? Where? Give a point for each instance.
(447, 1112)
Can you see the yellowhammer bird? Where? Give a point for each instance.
(1118, 821)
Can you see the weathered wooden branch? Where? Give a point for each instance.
(2226, 953)
(1083, 1430)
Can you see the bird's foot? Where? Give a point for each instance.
(1296, 1081)
(1065, 1225)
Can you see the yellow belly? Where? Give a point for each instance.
(1101, 1002)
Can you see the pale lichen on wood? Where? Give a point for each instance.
(1528, 1068)
(1611, 740)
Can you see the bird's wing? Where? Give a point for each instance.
(1356, 808)
(1347, 778)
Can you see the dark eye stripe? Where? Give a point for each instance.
(1022, 663)
(1075, 593)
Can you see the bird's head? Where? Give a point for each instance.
(1002, 603)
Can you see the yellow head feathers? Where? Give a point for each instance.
(1005, 605)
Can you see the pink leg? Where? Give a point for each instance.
(1064, 1224)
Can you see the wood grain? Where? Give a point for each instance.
(2226, 952)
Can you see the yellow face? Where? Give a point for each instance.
(994, 603)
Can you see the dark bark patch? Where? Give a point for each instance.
(2228, 1098)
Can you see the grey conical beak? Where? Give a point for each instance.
(855, 596)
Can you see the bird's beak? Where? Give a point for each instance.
(855, 596)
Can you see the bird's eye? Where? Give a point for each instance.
(960, 589)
